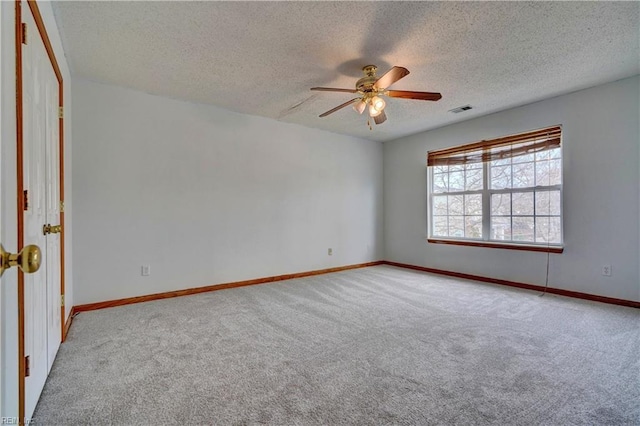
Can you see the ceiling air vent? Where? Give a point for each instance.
(460, 109)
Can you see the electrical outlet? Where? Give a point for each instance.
(606, 270)
(330, 252)
(145, 270)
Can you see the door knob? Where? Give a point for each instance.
(28, 260)
(51, 229)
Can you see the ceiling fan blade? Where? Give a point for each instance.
(332, 89)
(380, 118)
(331, 111)
(390, 77)
(423, 96)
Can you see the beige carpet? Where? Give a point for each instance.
(379, 345)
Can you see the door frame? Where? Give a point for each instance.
(1, 225)
(35, 11)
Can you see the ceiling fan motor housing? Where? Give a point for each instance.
(365, 84)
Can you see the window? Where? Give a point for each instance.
(505, 192)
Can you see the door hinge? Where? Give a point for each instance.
(24, 33)
(62, 300)
(60, 112)
(61, 206)
(25, 200)
(27, 366)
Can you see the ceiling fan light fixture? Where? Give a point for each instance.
(373, 112)
(360, 106)
(378, 103)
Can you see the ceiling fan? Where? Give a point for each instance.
(371, 88)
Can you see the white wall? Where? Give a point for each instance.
(601, 143)
(8, 222)
(207, 196)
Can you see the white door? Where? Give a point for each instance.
(52, 204)
(42, 332)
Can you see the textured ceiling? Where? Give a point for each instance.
(261, 58)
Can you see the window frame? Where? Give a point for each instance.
(487, 193)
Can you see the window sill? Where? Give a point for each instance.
(525, 247)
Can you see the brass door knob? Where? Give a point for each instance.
(28, 260)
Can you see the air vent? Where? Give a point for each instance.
(460, 109)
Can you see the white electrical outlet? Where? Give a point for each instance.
(330, 251)
(606, 270)
(146, 270)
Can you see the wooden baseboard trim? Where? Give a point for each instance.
(215, 287)
(177, 293)
(67, 324)
(558, 291)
